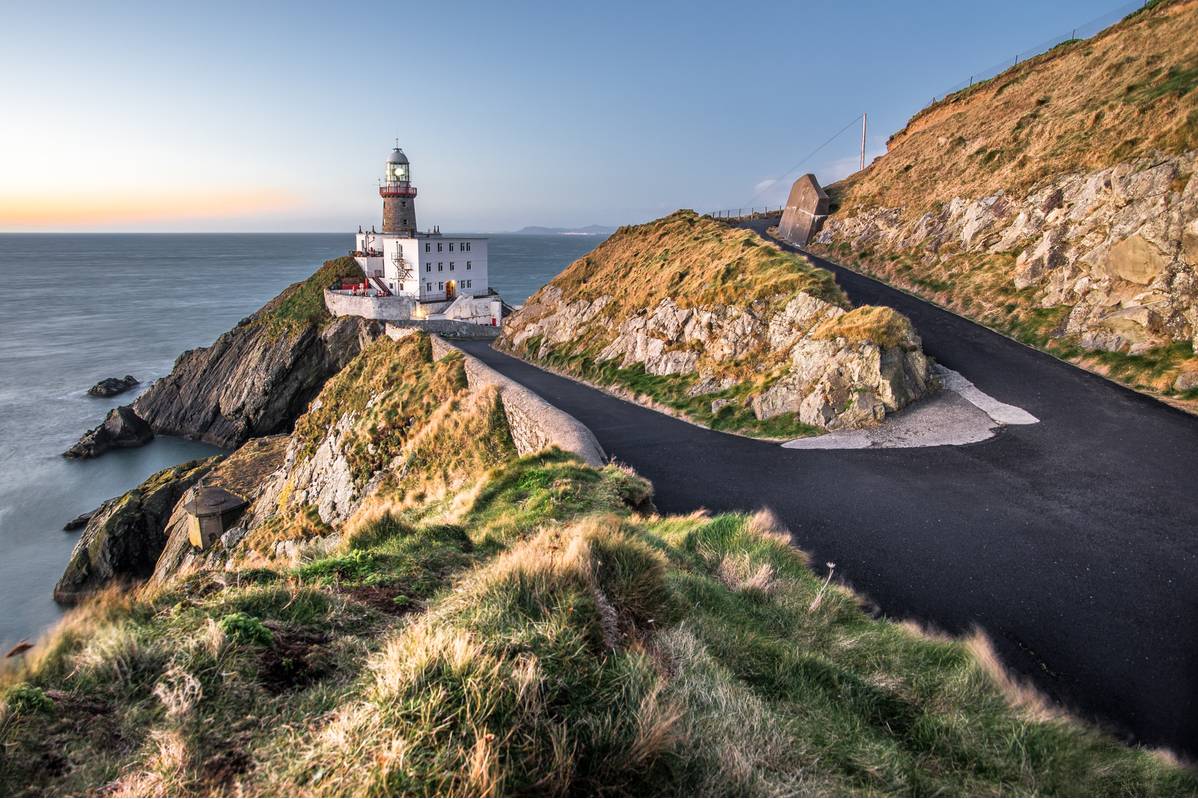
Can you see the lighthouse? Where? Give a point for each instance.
(399, 196)
(429, 278)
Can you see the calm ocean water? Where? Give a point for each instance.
(78, 308)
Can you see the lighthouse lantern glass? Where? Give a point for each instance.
(397, 173)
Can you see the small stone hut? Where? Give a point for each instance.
(211, 511)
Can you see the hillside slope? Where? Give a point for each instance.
(481, 623)
(257, 378)
(1056, 201)
(724, 327)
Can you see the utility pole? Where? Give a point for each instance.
(864, 119)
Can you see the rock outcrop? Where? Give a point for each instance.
(79, 521)
(396, 419)
(1056, 202)
(254, 380)
(125, 536)
(121, 428)
(1118, 246)
(111, 386)
(799, 350)
(246, 472)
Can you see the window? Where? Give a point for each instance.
(451, 264)
(451, 246)
(438, 246)
(466, 246)
(467, 264)
(467, 284)
(440, 286)
(428, 286)
(427, 247)
(428, 266)
(401, 286)
(440, 266)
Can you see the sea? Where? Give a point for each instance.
(78, 308)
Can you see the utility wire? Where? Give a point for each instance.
(806, 158)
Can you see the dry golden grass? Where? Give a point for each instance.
(1019, 693)
(879, 325)
(1080, 107)
(694, 261)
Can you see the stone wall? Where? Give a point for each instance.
(450, 328)
(383, 308)
(535, 424)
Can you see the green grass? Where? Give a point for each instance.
(540, 629)
(302, 305)
(1177, 81)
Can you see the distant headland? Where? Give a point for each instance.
(589, 230)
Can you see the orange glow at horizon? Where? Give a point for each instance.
(64, 210)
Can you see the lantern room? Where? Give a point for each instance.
(398, 169)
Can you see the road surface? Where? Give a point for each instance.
(1072, 542)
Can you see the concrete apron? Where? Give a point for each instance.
(959, 414)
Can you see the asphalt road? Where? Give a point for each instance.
(1073, 542)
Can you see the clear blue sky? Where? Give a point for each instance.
(256, 116)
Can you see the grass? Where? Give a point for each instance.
(694, 261)
(503, 624)
(406, 428)
(554, 639)
(1111, 99)
(879, 325)
(302, 304)
(389, 390)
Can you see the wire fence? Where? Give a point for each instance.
(745, 214)
(1083, 31)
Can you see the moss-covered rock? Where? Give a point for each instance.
(124, 538)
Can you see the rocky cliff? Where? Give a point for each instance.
(724, 327)
(125, 536)
(1056, 201)
(394, 423)
(258, 377)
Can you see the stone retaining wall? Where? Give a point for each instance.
(383, 308)
(535, 424)
(450, 328)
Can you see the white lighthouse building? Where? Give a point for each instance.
(414, 275)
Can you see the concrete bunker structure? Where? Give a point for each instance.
(211, 511)
(806, 208)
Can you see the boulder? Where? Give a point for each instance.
(1135, 260)
(126, 535)
(121, 428)
(1189, 242)
(79, 521)
(1187, 380)
(111, 386)
(253, 381)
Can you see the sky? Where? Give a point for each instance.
(257, 116)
